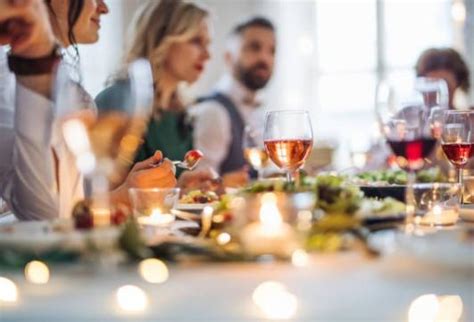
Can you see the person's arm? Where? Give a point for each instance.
(212, 133)
(29, 185)
(30, 188)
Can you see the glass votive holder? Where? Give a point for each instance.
(152, 207)
(437, 204)
(272, 223)
(468, 193)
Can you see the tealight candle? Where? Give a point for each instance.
(439, 216)
(270, 235)
(156, 218)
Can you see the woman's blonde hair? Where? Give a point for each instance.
(156, 25)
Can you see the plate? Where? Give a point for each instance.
(193, 206)
(45, 236)
(394, 191)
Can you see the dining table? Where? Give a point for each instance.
(335, 286)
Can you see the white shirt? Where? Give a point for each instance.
(212, 124)
(28, 180)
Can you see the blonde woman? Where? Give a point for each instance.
(174, 36)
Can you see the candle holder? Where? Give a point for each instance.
(437, 204)
(152, 207)
(272, 223)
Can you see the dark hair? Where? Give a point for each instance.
(74, 11)
(444, 58)
(257, 21)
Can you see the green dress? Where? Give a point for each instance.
(171, 133)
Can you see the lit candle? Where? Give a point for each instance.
(439, 216)
(101, 217)
(270, 235)
(156, 218)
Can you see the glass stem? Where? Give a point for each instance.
(288, 176)
(410, 198)
(460, 181)
(259, 174)
(100, 200)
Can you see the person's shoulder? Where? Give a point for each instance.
(204, 106)
(115, 96)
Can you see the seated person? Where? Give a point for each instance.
(37, 172)
(221, 117)
(446, 64)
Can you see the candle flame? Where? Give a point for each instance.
(156, 213)
(269, 214)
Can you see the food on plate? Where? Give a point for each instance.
(199, 196)
(380, 208)
(397, 177)
(83, 218)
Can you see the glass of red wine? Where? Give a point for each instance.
(288, 139)
(456, 139)
(405, 121)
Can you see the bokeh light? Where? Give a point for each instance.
(153, 270)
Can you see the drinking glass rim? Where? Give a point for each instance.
(135, 189)
(458, 112)
(431, 185)
(288, 112)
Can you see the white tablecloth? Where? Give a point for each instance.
(337, 287)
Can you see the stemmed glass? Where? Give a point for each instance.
(436, 98)
(288, 139)
(254, 150)
(104, 143)
(405, 122)
(456, 139)
(434, 91)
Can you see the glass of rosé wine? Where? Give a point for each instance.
(288, 139)
(456, 139)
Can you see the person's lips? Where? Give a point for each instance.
(96, 21)
(262, 72)
(199, 67)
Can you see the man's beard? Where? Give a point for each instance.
(250, 79)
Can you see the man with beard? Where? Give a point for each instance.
(221, 117)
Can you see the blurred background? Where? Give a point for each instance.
(330, 54)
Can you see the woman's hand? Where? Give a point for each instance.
(203, 179)
(153, 172)
(236, 179)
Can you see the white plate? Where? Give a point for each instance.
(193, 206)
(41, 236)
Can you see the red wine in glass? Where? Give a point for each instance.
(411, 153)
(458, 153)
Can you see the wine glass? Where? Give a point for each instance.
(104, 143)
(288, 139)
(405, 122)
(254, 150)
(456, 139)
(434, 91)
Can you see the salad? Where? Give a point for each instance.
(397, 177)
(199, 196)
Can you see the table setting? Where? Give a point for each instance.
(382, 245)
